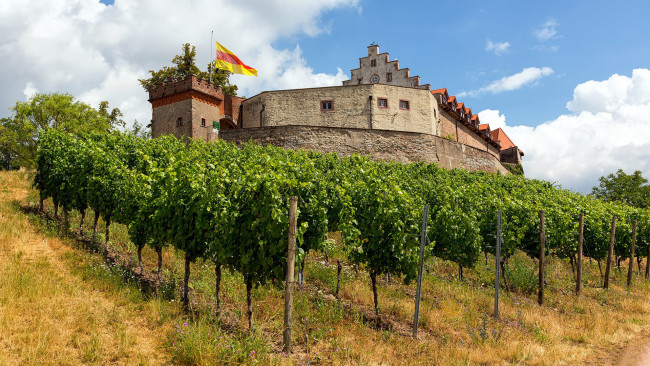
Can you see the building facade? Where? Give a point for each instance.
(192, 108)
(382, 111)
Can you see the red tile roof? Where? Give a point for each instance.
(500, 136)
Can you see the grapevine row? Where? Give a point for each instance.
(229, 205)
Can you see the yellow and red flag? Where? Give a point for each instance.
(228, 61)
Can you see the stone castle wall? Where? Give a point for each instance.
(511, 155)
(354, 106)
(463, 134)
(378, 144)
(164, 119)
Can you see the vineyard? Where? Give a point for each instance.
(229, 206)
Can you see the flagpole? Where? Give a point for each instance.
(211, 44)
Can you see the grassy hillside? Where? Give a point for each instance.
(61, 303)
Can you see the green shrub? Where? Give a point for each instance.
(521, 274)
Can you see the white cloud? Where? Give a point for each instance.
(607, 128)
(492, 117)
(546, 48)
(512, 82)
(97, 52)
(29, 90)
(547, 31)
(499, 48)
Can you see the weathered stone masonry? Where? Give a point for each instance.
(379, 144)
(187, 108)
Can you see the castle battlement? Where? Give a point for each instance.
(181, 85)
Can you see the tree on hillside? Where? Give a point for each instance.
(19, 134)
(185, 65)
(8, 159)
(631, 189)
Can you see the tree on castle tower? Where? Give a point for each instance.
(185, 65)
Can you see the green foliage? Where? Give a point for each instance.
(140, 131)
(20, 134)
(631, 189)
(184, 66)
(516, 169)
(229, 204)
(386, 217)
(522, 275)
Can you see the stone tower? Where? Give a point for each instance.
(192, 108)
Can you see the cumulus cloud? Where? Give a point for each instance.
(499, 48)
(29, 90)
(513, 82)
(493, 117)
(97, 52)
(607, 128)
(547, 31)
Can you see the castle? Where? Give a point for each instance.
(381, 111)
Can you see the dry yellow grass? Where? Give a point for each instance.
(50, 316)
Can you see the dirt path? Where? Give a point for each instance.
(51, 316)
(636, 353)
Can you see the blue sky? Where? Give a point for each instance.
(445, 43)
(569, 81)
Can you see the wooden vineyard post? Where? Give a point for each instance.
(418, 292)
(542, 261)
(496, 266)
(647, 259)
(291, 261)
(339, 268)
(629, 271)
(610, 252)
(581, 227)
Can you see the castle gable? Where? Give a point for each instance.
(377, 69)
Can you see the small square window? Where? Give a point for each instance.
(404, 104)
(382, 102)
(389, 76)
(202, 122)
(327, 105)
(179, 122)
(373, 63)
